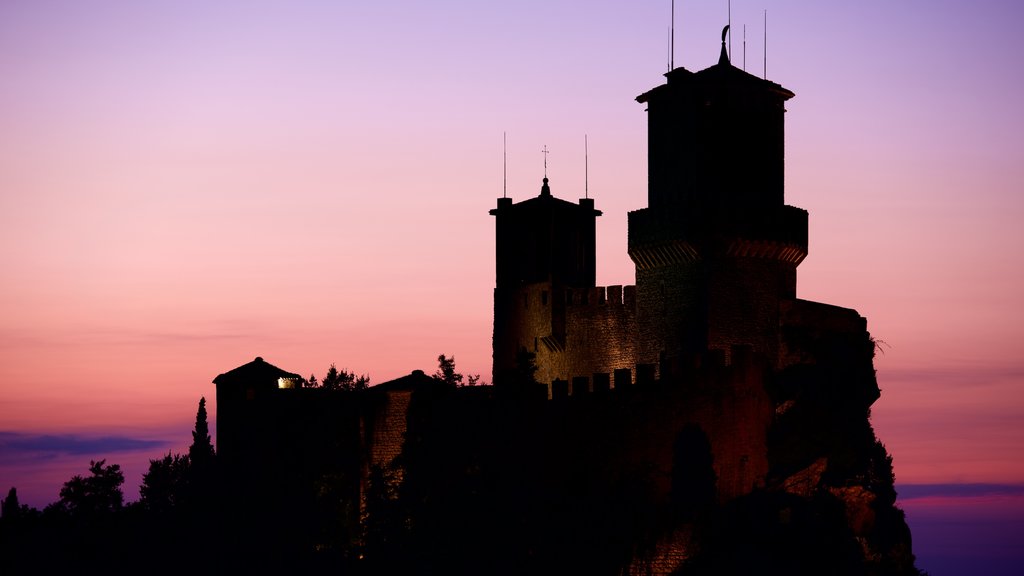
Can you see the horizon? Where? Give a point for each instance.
(188, 187)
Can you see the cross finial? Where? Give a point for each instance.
(545, 152)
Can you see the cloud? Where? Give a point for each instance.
(966, 490)
(107, 334)
(959, 377)
(16, 446)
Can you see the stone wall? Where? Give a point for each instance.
(574, 333)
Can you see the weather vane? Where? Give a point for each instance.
(545, 152)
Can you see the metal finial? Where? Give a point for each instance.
(545, 152)
(723, 58)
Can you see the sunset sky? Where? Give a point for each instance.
(186, 185)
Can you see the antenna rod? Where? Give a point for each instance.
(672, 40)
(586, 168)
(765, 73)
(504, 164)
(744, 47)
(730, 30)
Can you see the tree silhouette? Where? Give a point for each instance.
(526, 367)
(341, 380)
(96, 494)
(201, 453)
(446, 371)
(9, 507)
(165, 486)
(201, 461)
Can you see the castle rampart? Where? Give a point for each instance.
(578, 332)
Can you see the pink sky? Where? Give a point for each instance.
(185, 187)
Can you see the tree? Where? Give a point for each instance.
(446, 371)
(201, 453)
(361, 382)
(9, 507)
(96, 494)
(525, 371)
(342, 380)
(201, 460)
(331, 379)
(165, 486)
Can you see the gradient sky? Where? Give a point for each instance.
(186, 185)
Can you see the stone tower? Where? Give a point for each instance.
(545, 246)
(716, 249)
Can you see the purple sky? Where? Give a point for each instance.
(187, 185)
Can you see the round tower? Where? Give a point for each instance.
(716, 249)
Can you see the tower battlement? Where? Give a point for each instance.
(601, 296)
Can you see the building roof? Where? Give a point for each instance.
(415, 380)
(721, 73)
(546, 201)
(258, 371)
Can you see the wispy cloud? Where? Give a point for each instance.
(958, 376)
(17, 446)
(129, 334)
(953, 490)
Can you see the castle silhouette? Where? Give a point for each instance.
(705, 420)
(716, 249)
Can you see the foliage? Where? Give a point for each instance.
(9, 507)
(96, 494)
(165, 485)
(526, 367)
(385, 521)
(201, 453)
(446, 373)
(340, 380)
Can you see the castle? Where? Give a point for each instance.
(716, 250)
(647, 429)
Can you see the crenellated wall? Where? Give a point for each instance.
(575, 333)
(726, 400)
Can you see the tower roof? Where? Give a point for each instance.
(255, 372)
(546, 201)
(721, 74)
(416, 380)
